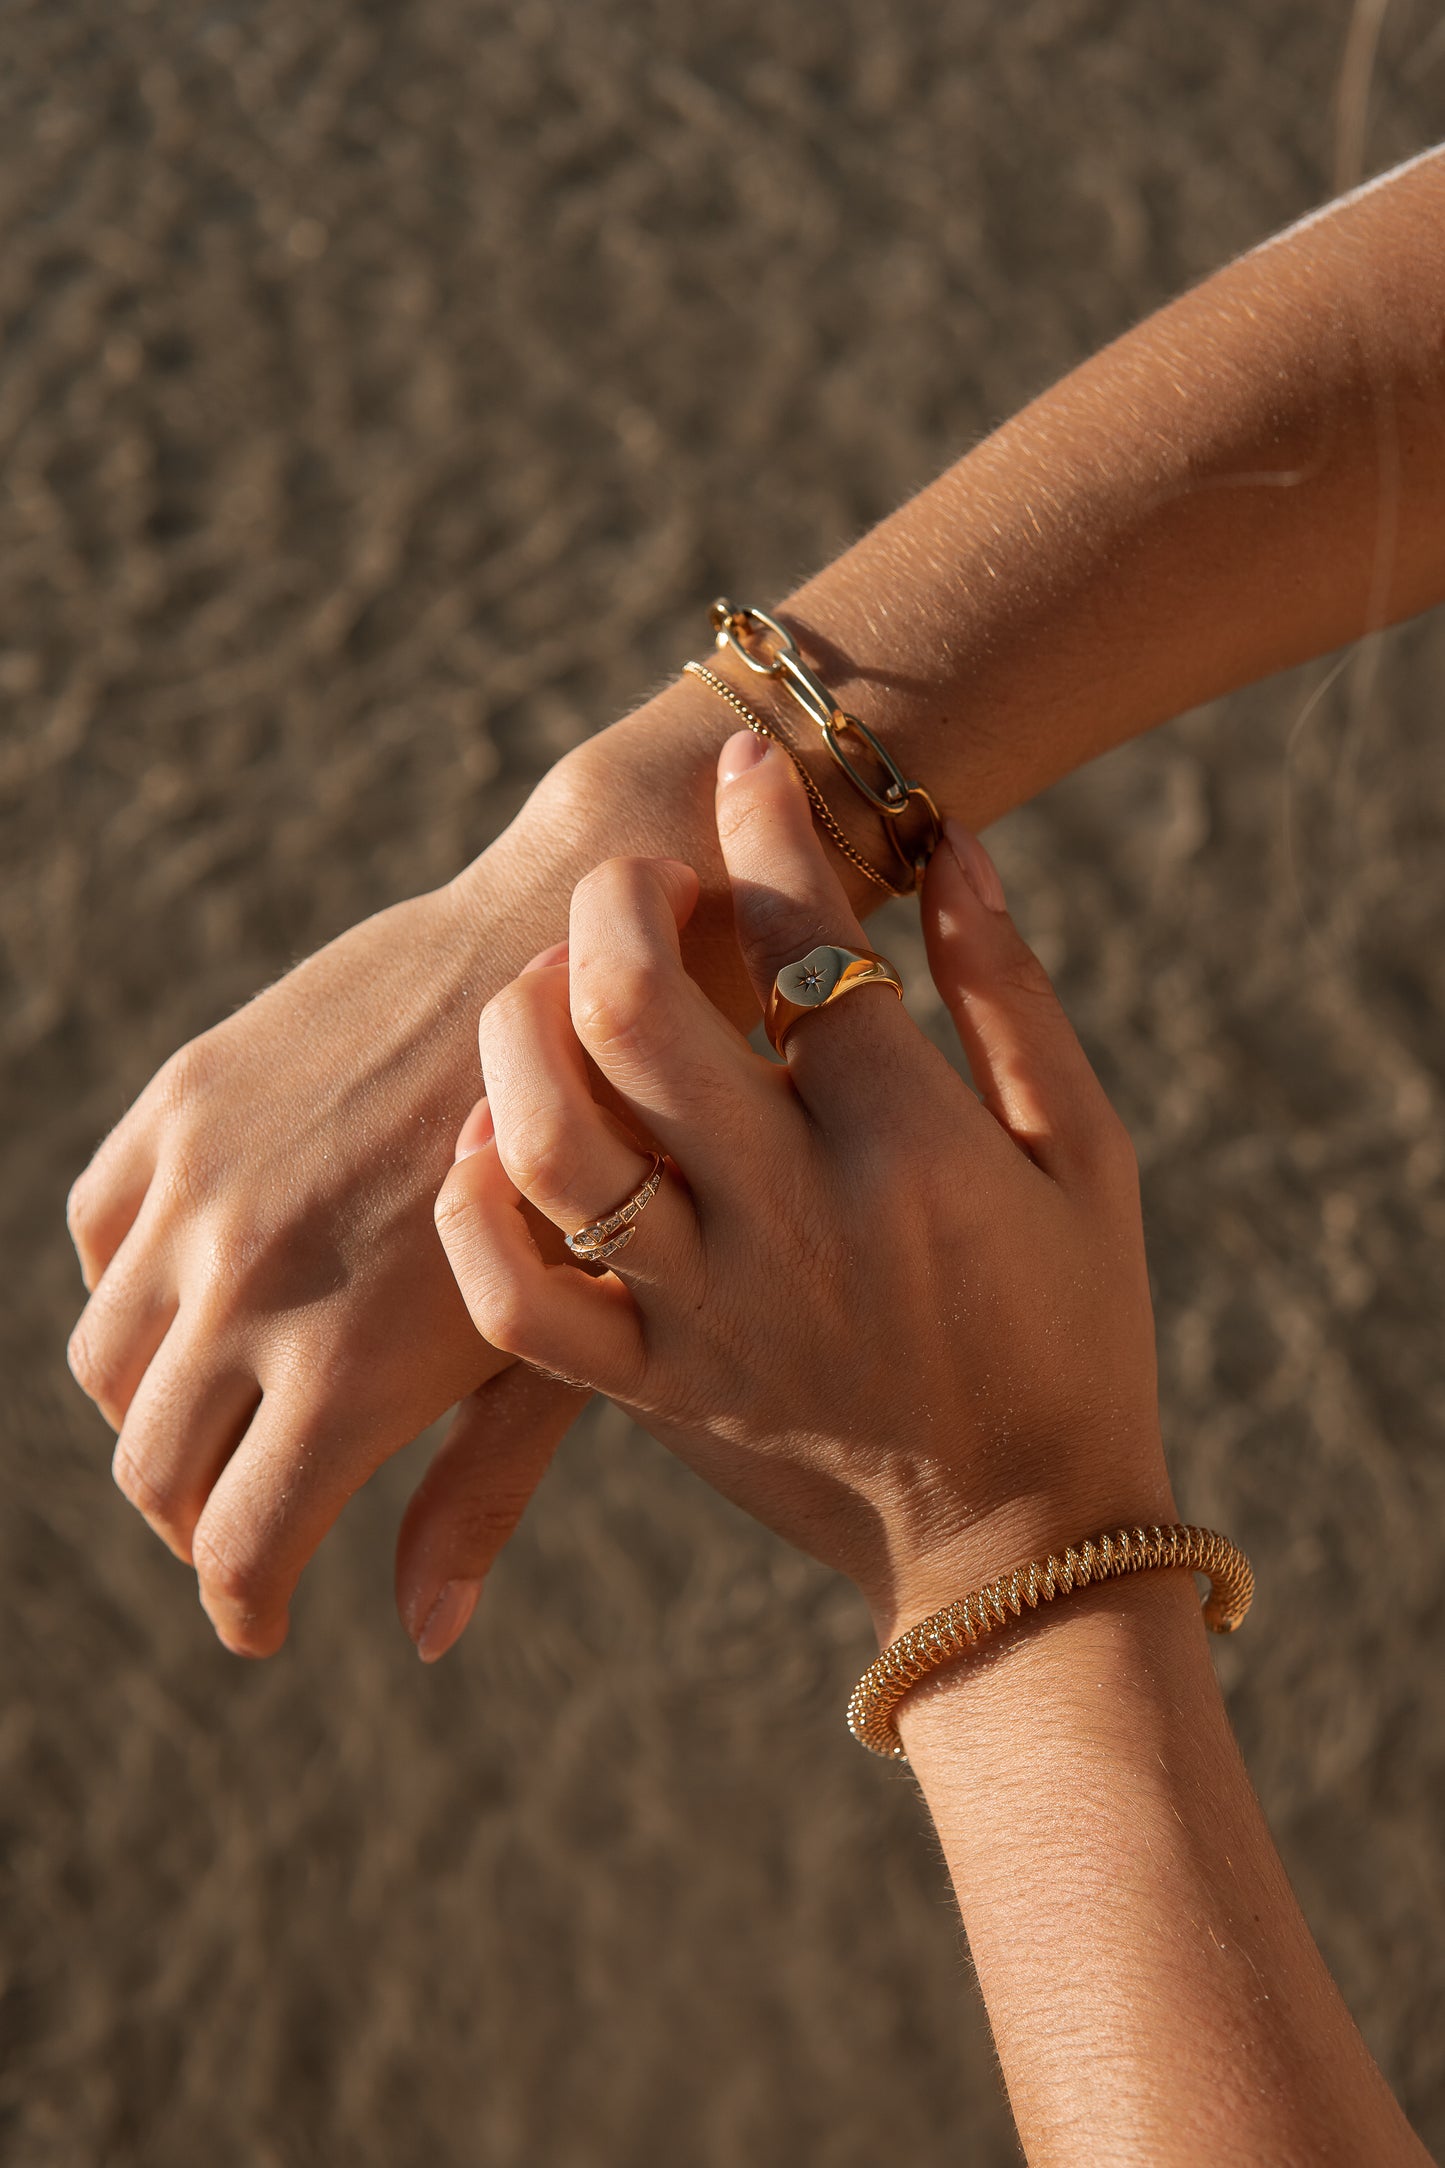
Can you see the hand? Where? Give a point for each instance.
(909, 1330)
(271, 1315)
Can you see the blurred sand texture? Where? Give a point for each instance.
(383, 390)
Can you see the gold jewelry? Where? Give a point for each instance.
(821, 809)
(911, 820)
(952, 1631)
(602, 1239)
(823, 975)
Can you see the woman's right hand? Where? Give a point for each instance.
(909, 1330)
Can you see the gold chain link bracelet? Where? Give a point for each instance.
(822, 812)
(960, 1626)
(911, 821)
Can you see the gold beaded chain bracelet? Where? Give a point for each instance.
(911, 821)
(949, 1633)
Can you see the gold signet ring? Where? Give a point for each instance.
(823, 975)
(606, 1236)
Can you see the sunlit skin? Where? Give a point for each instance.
(1249, 478)
(911, 1331)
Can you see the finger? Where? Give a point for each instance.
(472, 1497)
(276, 1497)
(678, 1067)
(121, 1326)
(302, 1457)
(788, 900)
(475, 1131)
(189, 1413)
(569, 1157)
(560, 1317)
(105, 1201)
(1027, 1062)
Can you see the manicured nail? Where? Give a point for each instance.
(977, 868)
(743, 751)
(447, 1619)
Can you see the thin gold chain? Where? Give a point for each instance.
(954, 1630)
(822, 811)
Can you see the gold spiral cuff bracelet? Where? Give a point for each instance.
(960, 1626)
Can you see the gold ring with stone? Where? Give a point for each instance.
(606, 1236)
(823, 975)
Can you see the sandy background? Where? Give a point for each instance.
(383, 389)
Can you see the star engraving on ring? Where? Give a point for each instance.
(810, 978)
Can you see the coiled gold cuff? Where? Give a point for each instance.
(954, 1630)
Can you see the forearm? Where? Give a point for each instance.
(1146, 1969)
(1249, 478)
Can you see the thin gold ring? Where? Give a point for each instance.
(606, 1236)
(825, 974)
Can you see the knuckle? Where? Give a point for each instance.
(318, 1370)
(775, 929)
(188, 1073)
(234, 1572)
(93, 1366)
(180, 1183)
(539, 1153)
(738, 811)
(232, 1279)
(453, 1213)
(81, 1204)
(481, 1526)
(132, 1482)
(501, 1314)
(502, 1014)
(1111, 1148)
(462, 1219)
(158, 1503)
(619, 1007)
(614, 881)
(491, 1288)
(509, 1312)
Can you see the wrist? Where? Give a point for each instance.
(668, 749)
(641, 787)
(1132, 1635)
(1124, 1907)
(939, 1551)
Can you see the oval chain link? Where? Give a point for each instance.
(772, 652)
(822, 813)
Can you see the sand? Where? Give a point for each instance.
(383, 390)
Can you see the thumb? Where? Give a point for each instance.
(787, 903)
(1030, 1069)
(786, 897)
(471, 1498)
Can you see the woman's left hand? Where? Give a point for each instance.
(909, 1330)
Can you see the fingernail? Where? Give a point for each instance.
(556, 954)
(478, 1129)
(977, 868)
(743, 751)
(447, 1618)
